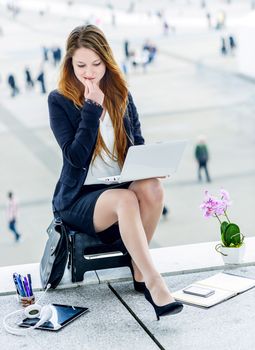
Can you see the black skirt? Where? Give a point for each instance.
(80, 215)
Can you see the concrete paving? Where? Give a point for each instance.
(108, 325)
(121, 318)
(228, 325)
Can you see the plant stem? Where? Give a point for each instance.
(218, 218)
(225, 213)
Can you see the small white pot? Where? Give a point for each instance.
(231, 255)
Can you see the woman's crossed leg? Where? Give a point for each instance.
(122, 206)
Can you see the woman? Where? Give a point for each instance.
(94, 120)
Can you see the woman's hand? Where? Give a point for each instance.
(93, 92)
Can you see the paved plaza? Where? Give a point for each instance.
(188, 91)
(120, 318)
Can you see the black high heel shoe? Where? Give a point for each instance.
(138, 286)
(169, 309)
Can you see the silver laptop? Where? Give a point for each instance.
(148, 161)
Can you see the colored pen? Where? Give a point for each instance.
(30, 283)
(23, 286)
(26, 286)
(22, 293)
(16, 283)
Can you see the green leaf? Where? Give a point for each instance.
(223, 227)
(231, 235)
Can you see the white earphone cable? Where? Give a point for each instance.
(17, 331)
(47, 288)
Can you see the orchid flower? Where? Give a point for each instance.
(214, 207)
(217, 207)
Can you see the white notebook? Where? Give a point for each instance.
(225, 286)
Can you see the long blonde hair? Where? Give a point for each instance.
(113, 85)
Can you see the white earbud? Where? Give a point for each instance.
(31, 311)
(45, 315)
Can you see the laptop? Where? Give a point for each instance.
(148, 161)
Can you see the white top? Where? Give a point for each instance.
(108, 167)
(12, 209)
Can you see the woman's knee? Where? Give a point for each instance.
(151, 191)
(127, 199)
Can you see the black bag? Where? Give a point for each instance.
(53, 262)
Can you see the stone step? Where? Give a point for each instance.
(169, 261)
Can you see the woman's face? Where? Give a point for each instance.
(87, 64)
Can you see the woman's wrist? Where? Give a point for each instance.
(91, 102)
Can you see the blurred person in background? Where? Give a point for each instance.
(41, 80)
(165, 212)
(209, 19)
(12, 212)
(202, 157)
(232, 44)
(221, 20)
(126, 49)
(12, 83)
(45, 53)
(56, 55)
(223, 47)
(28, 79)
(150, 50)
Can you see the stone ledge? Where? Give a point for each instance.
(183, 259)
(168, 260)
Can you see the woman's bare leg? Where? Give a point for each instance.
(150, 195)
(122, 205)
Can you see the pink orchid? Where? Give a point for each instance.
(217, 207)
(225, 196)
(213, 206)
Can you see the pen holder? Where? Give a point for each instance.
(26, 301)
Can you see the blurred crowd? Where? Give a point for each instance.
(49, 55)
(133, 57)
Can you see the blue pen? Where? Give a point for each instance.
(20, 287)
(30, 283)
(27, 287)
(15, 282)
(23, 285)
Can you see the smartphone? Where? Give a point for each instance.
(199, 291)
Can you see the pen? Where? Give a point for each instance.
(21, 290)
(16, 283)
(30, 283)
(26, 287)
(22, 286)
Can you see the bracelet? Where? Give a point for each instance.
(91, 102)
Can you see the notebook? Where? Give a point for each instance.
(225, 286)
(149, 161)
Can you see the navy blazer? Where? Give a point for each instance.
(76, 130)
